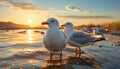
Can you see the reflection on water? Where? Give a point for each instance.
(30, 32)
(54, 64)
(20, 37)
(18, 48)
(66, 63)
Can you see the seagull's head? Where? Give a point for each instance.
(51, 22)
(68, 25)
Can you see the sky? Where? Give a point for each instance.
(79, 12)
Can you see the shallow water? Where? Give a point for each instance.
(23, 49)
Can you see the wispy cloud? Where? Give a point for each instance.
(20, 5)
(75, 9)
(86, 17)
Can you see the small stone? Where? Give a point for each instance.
(100, 46)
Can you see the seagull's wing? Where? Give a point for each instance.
(81, 38)
(98, 32)
(80, 34)
(63, 34)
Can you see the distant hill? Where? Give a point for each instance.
(11, 25)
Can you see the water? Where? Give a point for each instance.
(18, 44)
(23, 49)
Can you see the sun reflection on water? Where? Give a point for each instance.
(30, 39)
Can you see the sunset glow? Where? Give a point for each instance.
(79, 11)
(30, 21)
(59, 34)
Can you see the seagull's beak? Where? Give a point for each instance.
(44, 23)
(63, 25)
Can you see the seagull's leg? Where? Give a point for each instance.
(50, 55)
(61, 54)
(76, 51)
(61, 57)
(79, 52)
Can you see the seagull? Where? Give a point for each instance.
(96, 30)
(77, 39)
(98, 34)
(54, 39)
(85, 29)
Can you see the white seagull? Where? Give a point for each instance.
(85, 29)
(54, 40)
(96, 31)
(98, 34)
(77, 39)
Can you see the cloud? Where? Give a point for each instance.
(86, 17)
(19, 5)
(75, 9)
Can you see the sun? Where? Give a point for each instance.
(30, 20)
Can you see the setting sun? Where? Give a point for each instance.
(30, 21)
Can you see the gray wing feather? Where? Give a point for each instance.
(80, 34)
(98, 32)
(64, 35)
(81, 38)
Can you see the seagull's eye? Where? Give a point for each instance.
(52, 21)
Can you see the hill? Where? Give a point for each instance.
(11, 25)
